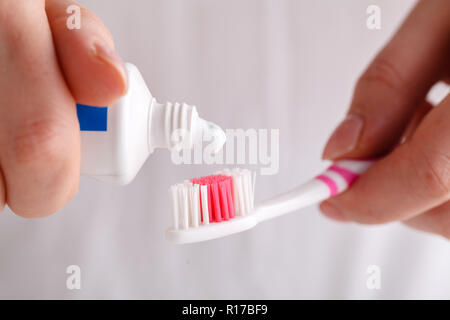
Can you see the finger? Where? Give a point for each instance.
(436, 220)
(2, 192)
(39, 131)
(394, 84)
(416, 119)
(419, 113)
(94, 73)
(412, 179)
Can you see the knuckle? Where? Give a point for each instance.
(433, 169)
(384, 73)
(42, 168)
(39, 142)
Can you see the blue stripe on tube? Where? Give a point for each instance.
(92, 118)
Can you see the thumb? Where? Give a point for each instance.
(393, 85)
(95, 74)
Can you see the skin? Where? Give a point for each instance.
(44, 69)
(411, 181)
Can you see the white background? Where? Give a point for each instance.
(289, 65)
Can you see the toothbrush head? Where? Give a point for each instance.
(211, 207)
(222, 204)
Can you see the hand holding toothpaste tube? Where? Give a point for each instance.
(44, 69)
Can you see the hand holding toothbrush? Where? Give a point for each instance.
(411, 183)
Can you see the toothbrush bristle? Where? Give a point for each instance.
(220, 205)
(214, 198)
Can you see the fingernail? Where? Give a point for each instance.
(332, 212)
(344, 138)
(110, 57)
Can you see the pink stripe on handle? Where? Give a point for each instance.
(332, 186)
(348, 175)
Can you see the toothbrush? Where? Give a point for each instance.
(223, 204)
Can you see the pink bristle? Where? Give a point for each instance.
(223, 200)
(220, 197)
(201, 207)
(215, 203)
(210, 204)
(229, 193)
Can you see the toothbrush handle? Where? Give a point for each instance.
(336, 179)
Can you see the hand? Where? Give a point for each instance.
(411, 183)
(44, 68)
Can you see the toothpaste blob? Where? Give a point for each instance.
(210, 129)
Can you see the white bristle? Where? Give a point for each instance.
(184, 207)
(237, 208)
(240, 197)
(205, 210)
(246, 180)
(190, 201)
(243, 185)
(195, 205)
(187, 186)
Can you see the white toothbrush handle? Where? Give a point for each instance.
(336, 179)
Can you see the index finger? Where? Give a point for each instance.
(412, 179)
(394, 84)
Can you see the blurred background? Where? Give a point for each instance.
(269, 64)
